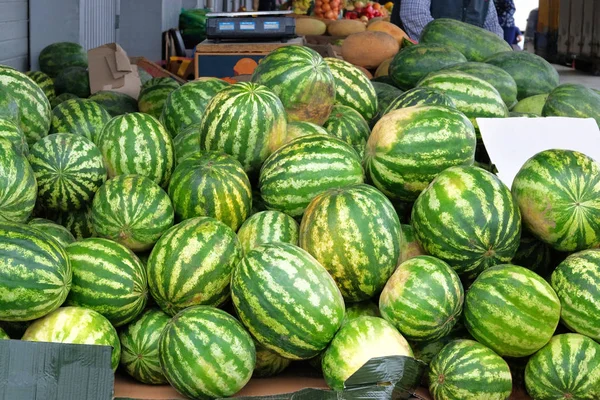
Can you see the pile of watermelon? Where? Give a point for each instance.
(212, 232)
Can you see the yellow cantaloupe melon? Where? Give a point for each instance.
(346, 27)
(310, 26)
(369, 49)
(390, 29)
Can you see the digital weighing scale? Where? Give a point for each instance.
(255, 26)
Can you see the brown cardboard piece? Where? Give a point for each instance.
(111, 69)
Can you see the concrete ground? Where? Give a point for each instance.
(570, 75)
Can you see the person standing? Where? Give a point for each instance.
(506, 17)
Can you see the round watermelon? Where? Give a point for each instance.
(363, 309)
(302, 80)
(420, 96)
(35, 277)
(302, 128)
(18, 188)
(76, 325)
(58, 56)
(69, 170)
(153, 98)
(426, 351)
(467, 370)
(558, 192)
(267, 227)
(228, 355)
(212, 185)
(191, 264)
(302, 169)
(411, 246)
(268, 363)
(566, 368)
(132, 210)
(115, 103)
(44, 82)
(534, 254)
(357, 342)
(385, 95)
(352, 88)
(347, 124)
(186, 105)
(139, 347)
(33, 104)
(9, 108)
(416, 62)
(409, 147)
(73, 80)
(577, 284)
(78, 222)
(245, 120)
(81, 117)
(423, 299)
(448, 216)
(107, 278)
(512, 310)
(161, 81)
(137, 144)
(62, 98)
(354, 233)
(61, 234)
(287, 300)
(187, 144)
(574, 101)
(10, 131)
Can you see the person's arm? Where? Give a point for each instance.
(491, 21)
(415, 14)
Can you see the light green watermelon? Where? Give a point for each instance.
(267, 227)
(79, 116)
(302, 128)
(18, 188)
(268, 363)
(187, 143)
(10, 131)
(531, 105)
(56, 231)
(347, 124)
(44, 82)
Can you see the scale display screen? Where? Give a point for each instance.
(250, 26)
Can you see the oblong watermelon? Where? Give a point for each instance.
(62, 98)
(420, 96)
(347, 124)
(191, 264)
(574, 101)
(267, 227)
(512, 310)
(35, 277)
(301, 79)
(59, 56)
(79, 116)
(56, 231)
(452, 373)
(287, 300)
(10, 131)
(385, 94)
(557, 192)
(132, 210)
(566, 368)
(411, 246)
(307, 166)
(205, 353)
(73, 80)
(448, 215)
(18, 188)
(44, 82)
(161, 81)
(69, 170)
(187, 143)
(115, 103)
(354, 233)
(152, 99)
(302, 128)
(531, 105)
(245, 120)
(362, 309)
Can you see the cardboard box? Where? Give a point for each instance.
(111, 69)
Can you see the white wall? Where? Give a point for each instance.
(14, 35)
(524, 7)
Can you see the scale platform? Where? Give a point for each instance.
(251, 26)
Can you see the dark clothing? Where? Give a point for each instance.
(473, 12)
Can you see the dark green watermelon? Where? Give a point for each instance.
(73, 80)
(115, 103)
(58, 56)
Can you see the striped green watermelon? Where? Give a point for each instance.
(577, 284)
(58, 56)
(161, 81)
(352, 88)
(9, 109)
(81, 117)
(212, 185)
(496, 76)
(35, 273)
(185, 106)
(512, 310)
(139, 347)
(558, 194)
(410, 146)
(420, 96)
(475, 43)
(191, 264)
(107, 278)
(411, 246)
(58, 232)
(423, 299)
(69, 170)
(73, 80)
(302, 80)
(267, 227)
(385, 94)
(362, 309)
(448, 216)
(3, 335)
(137, 143)
(205, 353)
(573, 100)
(473, 96)
(44, 82)
(78, 222)
(31, 100)
(268, 363)
(115, 103)
(153, 98)
(132, 210)
(531, 105)
(426, 351)
(566, 368)
(347, 124)
(534, 254)
(76, 325)
(62, 98)
(513, 114)
(354, 233)
(187, 143)
(356, 343)
(245, 120)
(532, 73)
(416, 62)
(302, 128)
(10, 131)
(145, 77)
(287, 300)
(467, 370)
(292, 176)
(18, 188)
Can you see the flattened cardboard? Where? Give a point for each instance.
(510, 142)
(111, 69)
